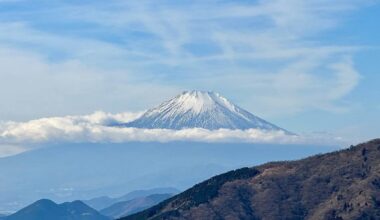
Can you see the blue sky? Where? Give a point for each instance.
(305, 65)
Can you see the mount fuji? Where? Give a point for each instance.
(200, 109)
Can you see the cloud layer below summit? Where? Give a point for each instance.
(17, 137)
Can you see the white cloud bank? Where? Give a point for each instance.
(95, 128)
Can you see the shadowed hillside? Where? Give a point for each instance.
(340, 185)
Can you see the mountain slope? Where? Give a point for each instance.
(340, 185)
(198, 109)
(129, 207)
(47, 210)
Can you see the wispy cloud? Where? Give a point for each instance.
(33, 87)
(181, 45)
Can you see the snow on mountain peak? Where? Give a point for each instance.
(200, 101)
(200, 109)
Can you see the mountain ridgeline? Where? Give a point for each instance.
(45, 209)
(132, 206)
(105, 202)
(199, 109)
(339, 185)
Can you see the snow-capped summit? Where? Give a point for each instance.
(195, 102)
(200, 109)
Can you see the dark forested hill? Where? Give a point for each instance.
(339, 185)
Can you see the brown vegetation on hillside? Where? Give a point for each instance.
(338, 185)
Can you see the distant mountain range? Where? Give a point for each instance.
(108, 208)
(129, 207)
(104, 202)
(87, 167)
(341, 185)
(48, 210)
(199, 109)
